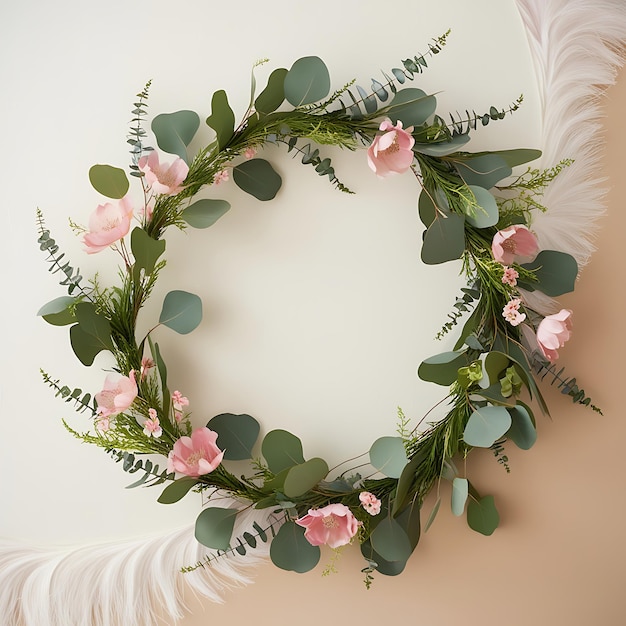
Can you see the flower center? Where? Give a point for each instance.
(329, 521)
(509, 245)
(193, 458)
(110, 224)
(394, 147)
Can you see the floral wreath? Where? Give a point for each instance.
(472, 207)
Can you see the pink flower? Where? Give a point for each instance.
(118, 394)
(390, 153)
(250, 152)
(146, 365)
(108, 224)
(552, 333)
(221, 177)
(196, 455)
(510, 276)
(370, 502)
(333, 525)
(514, 244)
(152, 427)
(511, 312)
(179, 400)
(166, 178)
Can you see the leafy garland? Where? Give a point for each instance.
(469, 213)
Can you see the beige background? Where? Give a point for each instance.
(559, 556)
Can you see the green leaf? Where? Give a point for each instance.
(236, 435)
(493, 394)
(405, 482)
(281, 450)
(305, 476)
(177, 490)
(109, 181)
(146, 250)
(556, 272)
(409, 520)
(486, 214)
(486, 425)
(390, 541)
(388, 456)
(411, 106)
(426, 208)
(483, 171)
(222, 118)
(515, 157)
(307, 81)
(58, 312)
(182, 311)
(495, 364)
(274, 94)
(442, 149)
(482, 516)
(522, 432)
(258, 178)
(385, 567)
(444, 240)
(85, 346)
(290, 551)
(174, 131)
(460, 491)
(433, 514)
(162, 371)
(204, 213)
(214, 527)
(442, 368)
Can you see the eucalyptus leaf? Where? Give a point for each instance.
(482, 515)
(410, 522)
(258, 178)
(236, 434)
(442, 368)
(177, 490)
(110, 181)
(444, 240)
(281, 450)
(204, 213)
(303, 477)
(515, 157)
(214, 527)
(486, 425)
(444, 148)
(182, 311)
(383, 566)
(174, 131)
(411, 106)
(556, 272)
(522, 432)
(145, 249)
(58, 312)
(495, 364)
(85, 346)
(391, 541)
(486, 213)
(493, 394)
(222, 118)
(433, 514)
(290, 551)
(460, 491)
(483, 171)
(307, 81)
(274, 94)
(388, 456)
(426, 208)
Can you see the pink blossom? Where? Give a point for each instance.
(108, 224)
(514, 244)
(390, 153)
(163, 178)
(370, 502)
(118, 394)
(510, 276)
(221, 177)
(178, 415)
(196, 455)
(152, 427)
(250, 153)
(511, 312)
(146, 365)
(333, 525)
(552, 333)
(179, 400)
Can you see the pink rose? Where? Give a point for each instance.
(514, 244)
(118, 394)
(552, 333)
(390, 153)
(163, 178)
(333, 525)
(196, 455)
(108, 224)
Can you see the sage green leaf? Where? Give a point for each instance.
(290, 551)
(482, 516)
(433, 514)
(442, 149)
(483, 171)
(486, 425)
(305, 476)
(556, 272)
(236, 434)
(274, 94)
(281, 450)
(214, 527)
(307, 81)
(388, 456)
(515, 157)
(177, 490)
(390, 541)
(182, 311)
(460, 491)
(411, 106)
(85, 346)
(146, 250)
(486, 213)
(94, 324)
(385, 567)
(442, 368)
(409, 520)
(58, 312)
(406, 481)
(222, 118)
(444, 240)
(174, 131)
(258, 178)
(522, 432)
(493, 394)
(495, 364)
(110, 181)
(162, 371)
(426, 208)
(204, 213)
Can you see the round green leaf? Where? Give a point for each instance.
(486, 425)
(204, 213)
(281, 450)
(174, 131)
(444, 240)
(305, 476)
(426, 208)
(177, 490)
(182, 311)
(486, 214)
(290, 551)
(214, 527)
(258, 178)
(556, 272)
(411, 106)
(274, 94)
(236, 435)
(442, 368)
(482, 516)
(388, 456)
(484, 171)
(390, 541)
(307, 81)
(522, 432)
(109, 181)
(385, 567)
(57, 312)
(146, 250)
(460, 491)
(444, 148)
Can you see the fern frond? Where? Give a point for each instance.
(136, 135)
